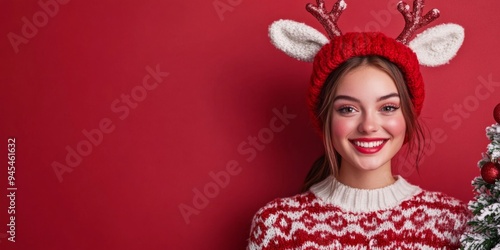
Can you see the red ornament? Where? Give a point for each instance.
(496, 113)
(490, 172)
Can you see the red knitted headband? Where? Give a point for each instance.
(433, 47)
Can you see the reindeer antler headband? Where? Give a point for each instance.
(433, 47)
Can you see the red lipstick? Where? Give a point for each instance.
(368, 145)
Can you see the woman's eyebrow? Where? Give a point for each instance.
(350, 98)
(345, 97)
(385, 97)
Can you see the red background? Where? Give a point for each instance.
(225, 79)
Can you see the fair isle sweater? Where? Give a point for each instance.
(335, 216)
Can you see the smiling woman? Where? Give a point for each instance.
(367, 125)
(345, 100)
(367, 115)
(365, 97)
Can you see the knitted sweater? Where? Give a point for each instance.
(332, 215)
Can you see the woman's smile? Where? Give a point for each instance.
(368, 145)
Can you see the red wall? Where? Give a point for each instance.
(127, 112)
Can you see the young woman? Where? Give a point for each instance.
(366, 93)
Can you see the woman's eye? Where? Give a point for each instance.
(346, 110)
(389, 108)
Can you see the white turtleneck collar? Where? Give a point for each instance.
(364, 200)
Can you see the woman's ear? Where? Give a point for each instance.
(438, 45)
(297, 40)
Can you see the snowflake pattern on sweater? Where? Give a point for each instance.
(411, 219)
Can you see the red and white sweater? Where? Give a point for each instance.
(334, 216)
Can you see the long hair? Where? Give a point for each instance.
(329, 163)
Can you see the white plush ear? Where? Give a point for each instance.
(296, 39)
(438, 45)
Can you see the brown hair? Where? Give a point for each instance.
(329, 163)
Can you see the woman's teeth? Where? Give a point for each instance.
(371, 144)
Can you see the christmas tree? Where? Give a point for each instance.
(484, 227)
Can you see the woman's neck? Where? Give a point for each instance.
(366, 179)
(352, 199)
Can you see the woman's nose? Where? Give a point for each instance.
(368, 123)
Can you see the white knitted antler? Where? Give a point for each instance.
(436, 46)
(296, 39)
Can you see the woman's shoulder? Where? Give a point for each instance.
(276, 216)
(434, 201)
(440, 197)
(298, 202)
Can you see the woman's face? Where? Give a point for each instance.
(368, 127)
